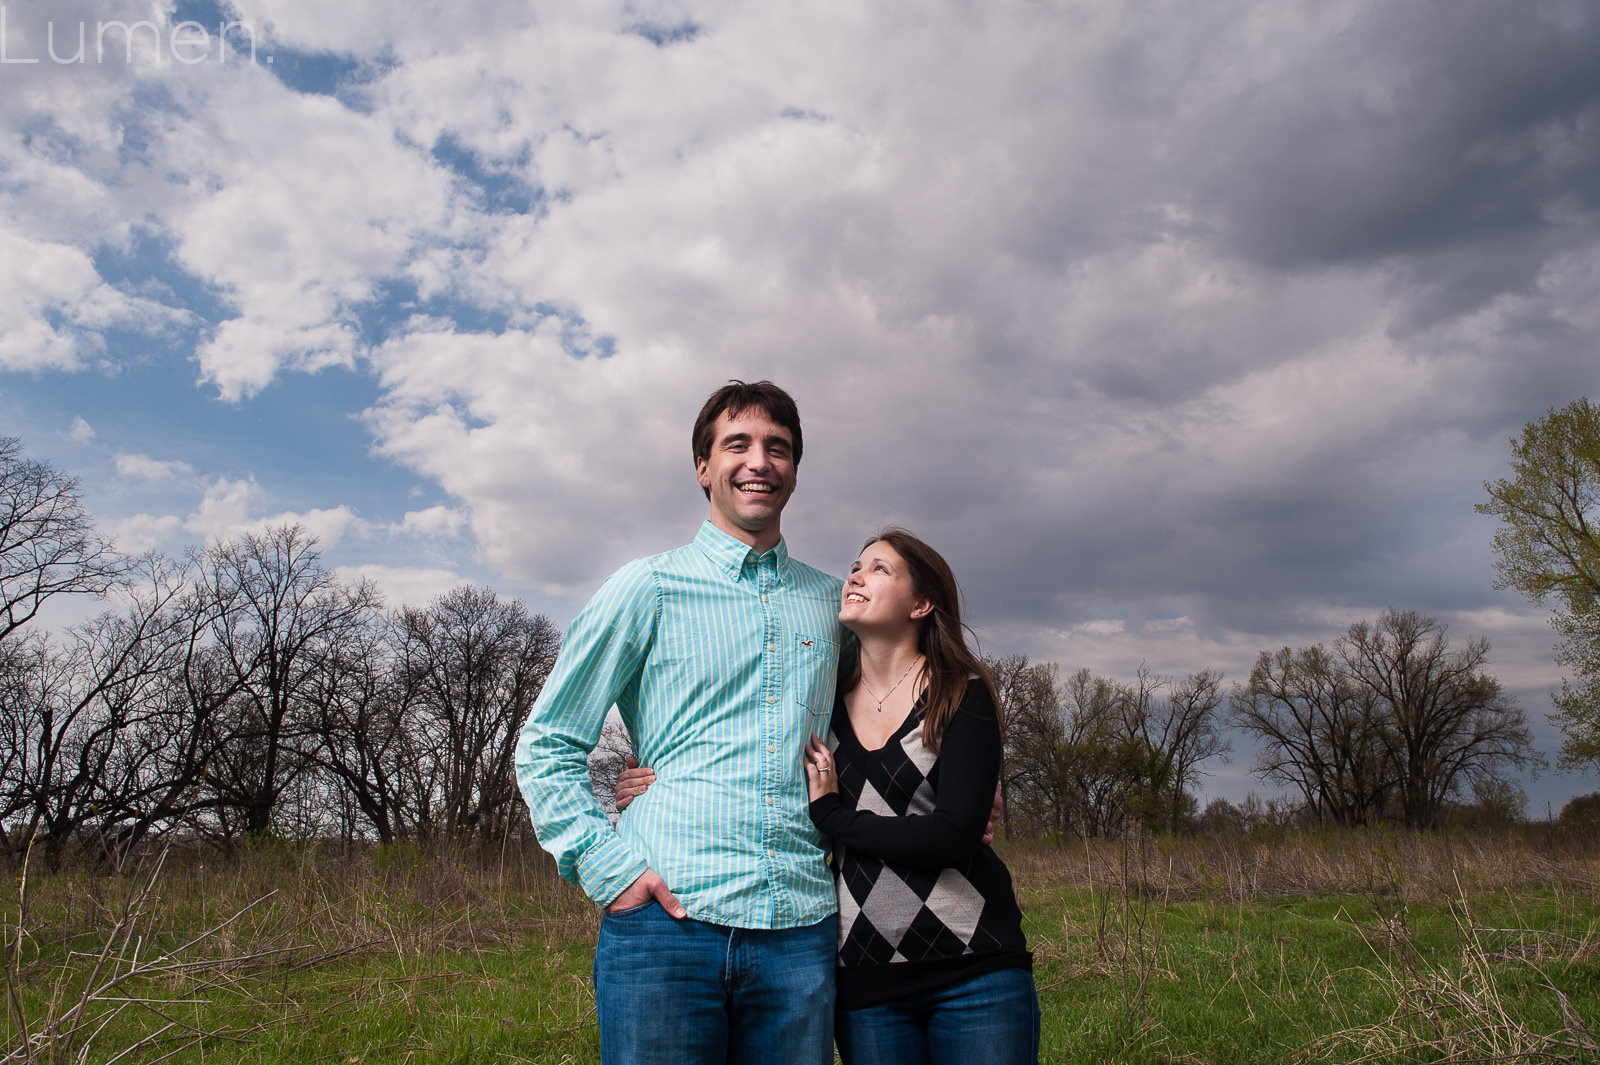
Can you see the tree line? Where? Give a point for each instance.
(1389, 724)
(245, 690)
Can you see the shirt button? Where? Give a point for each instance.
(772, 646)
(770, 800)
(771, 699)
(772, 746)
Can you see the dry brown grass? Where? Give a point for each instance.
(75, 942)
(1433, 866)
(1460, 1014)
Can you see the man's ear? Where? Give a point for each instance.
(702, 472)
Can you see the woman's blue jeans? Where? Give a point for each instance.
(683, 992)
(993, 1019)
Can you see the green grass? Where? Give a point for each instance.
(1306, 947)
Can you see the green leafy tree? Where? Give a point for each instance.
(1549, 548)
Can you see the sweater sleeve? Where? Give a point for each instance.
(969, 768)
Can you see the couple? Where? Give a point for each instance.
(722, 924)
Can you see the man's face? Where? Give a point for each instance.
(750, 473)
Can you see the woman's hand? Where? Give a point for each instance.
(632, 783)
(821, 779)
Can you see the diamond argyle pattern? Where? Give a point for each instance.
(889, 914)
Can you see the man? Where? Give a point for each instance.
(718, 939)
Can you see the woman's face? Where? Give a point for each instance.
(878, 592)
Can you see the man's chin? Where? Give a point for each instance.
(757, 523)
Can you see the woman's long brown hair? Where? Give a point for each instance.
(942, 637)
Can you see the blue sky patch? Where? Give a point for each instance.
(323, 73)
(149, 268)
(662, 34)
(396, 302)
(300, 438)
(496, 188)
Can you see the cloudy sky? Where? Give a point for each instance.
(1186, 330)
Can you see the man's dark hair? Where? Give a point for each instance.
(736, 397)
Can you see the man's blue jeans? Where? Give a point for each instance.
(683, 992)
(993, 1018)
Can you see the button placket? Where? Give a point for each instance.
(771, 732)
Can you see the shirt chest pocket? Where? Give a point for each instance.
(816, 676)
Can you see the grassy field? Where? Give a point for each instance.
(1372, 946)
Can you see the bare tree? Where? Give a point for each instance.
(1033, 780)
(99, 755)
(1450, 724)
(1320, 733)
(26, 676)
(1192, 732)
(1119, 779)
(472, 665)
(279, 618)
(368, 739)
(1091, 757)
(47, 545)
(1178, 719)
(1392, 723)
(609, 758)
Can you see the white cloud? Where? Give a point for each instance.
(507, 422)
(145, 468)
(224, 511)
(139, 533)
(313, 206)
(231, 508)
(81, 432)
(404, 585)
(328, 525)
(53, 306)
(435, 522)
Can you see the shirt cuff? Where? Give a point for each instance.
(607, 868)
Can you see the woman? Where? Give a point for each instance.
(933, 965)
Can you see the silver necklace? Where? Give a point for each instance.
(897, 683)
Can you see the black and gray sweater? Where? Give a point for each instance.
(923, 903)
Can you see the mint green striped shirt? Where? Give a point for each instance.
(721, 663)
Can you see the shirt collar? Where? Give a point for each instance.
(731, 554)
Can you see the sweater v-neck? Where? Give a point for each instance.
(913, 716)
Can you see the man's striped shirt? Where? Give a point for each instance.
(721, 662)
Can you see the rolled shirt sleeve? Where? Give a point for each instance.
(599, 663)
